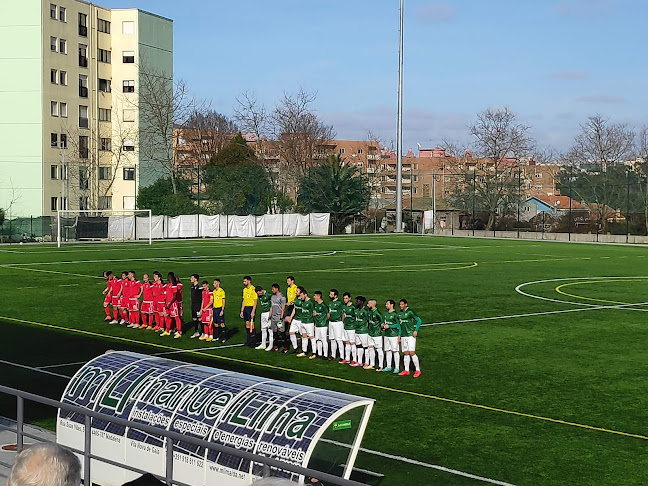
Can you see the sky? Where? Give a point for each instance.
(553, 62)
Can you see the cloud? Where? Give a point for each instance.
(435, 13)
(602, 98)
(569, 75)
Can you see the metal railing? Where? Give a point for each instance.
(171, 439)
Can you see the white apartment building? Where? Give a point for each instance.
(69, 104)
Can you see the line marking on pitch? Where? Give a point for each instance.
(335, 378)
(25, 268)
(420, 463)
(17, 365)
(569, 284)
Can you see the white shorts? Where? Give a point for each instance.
(308, 329)
(391, 344)
(295, 326)
(362, 340)
(321, 333)
(265, 320)
(336, 331)
(408, 344)
(349, 336)
(376, 342)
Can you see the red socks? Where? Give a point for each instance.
(107, 310)
(178, 325)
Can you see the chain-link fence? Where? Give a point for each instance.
(27, 229)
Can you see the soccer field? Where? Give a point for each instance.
(533, 353)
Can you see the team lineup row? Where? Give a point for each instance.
(354, 327)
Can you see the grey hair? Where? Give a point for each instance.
(273, 482)
(45, 464)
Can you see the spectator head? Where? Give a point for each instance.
(45, 464)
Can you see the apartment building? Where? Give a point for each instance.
(70, 118)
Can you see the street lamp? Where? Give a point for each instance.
(399, 134)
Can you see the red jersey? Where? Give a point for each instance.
(135, 288)
(170, 291)
(127, 287)
(147, 289)
(158, 291)
(115, 285)
(179, 287)
(206, 297)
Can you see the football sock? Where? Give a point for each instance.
(353, 352)
(372, 358)
(313, 345)
(347, 352)
(135, 317)
(416, 362)
(107, 311)
(341, 346)
(168, 324)
(360, 353)
(304, 344)
(406, 362)
(270, 338)
(389, 359)
(115, 312)
(178, 324)
(124, 314)
(380, 358)
(325, 348)
(333, 348)
(293, 340)
(396, 360)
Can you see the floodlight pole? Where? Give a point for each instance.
(399, 130)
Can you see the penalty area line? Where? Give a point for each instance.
(335, 378)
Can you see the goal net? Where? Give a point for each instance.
(104, 225)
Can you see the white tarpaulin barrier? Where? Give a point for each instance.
(184, 226)
(121, 227)
(209, 226)
(290, 224)
(241, 226)
(262, 416)
(319, 224)
(270, 225)
(156, 224)
(428, 219)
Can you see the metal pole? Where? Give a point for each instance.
(169, 462)
(474, 195)
(519, 200)
(544, 213)
(399, 130)
(412, 198)
(87, 435)
(20, 421)
(571, 171)
(627, 206)
(58, 229)
(433, 202)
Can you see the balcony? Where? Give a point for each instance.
(83, 61)
(83, 122)
(83, 31)
(83, 92)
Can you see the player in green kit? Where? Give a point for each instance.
(321, 311)
(336, 326)
(294, 319)
(392, 335)
(375, 336)
(410, 324)
(307, 324)
(266, 306)
(348, 317)
(362, 331)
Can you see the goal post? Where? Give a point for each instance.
(74, 225)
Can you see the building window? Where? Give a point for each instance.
(415, 178)
(83, 86)
(105, 86)
(84, 143)
(63, 110)
(415, 190)
(54, 76)
(54, 108)
(104, 114)
(83, 25)
(129, 173)
(129, 146)
(64, 204)
(54, 203)
(129, 115)
(83, 117)
(128, 27)
(105, 144)
(538, 187)
(64, 173)
(83, 178)
(128, 57)
(129, 86)
(53, 44)
(62, 46)
(104, 56)
(63, 78)
(341, 151)
(105, 173)
(63, 141)
(360, 151)
(52, 11)
(539, 175)
(103, 26)
(62, 14)
(105, 202)
(416, 167)
(83, 55)
(54, 140)
(54, 172)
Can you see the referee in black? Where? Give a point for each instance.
(196, 303)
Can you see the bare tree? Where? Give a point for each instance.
(602, 143)
(163, 106)
(641, 169)
(252, 116)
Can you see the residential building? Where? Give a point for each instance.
(70, 121)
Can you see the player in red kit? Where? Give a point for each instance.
(134, 294)
(207, 313)
(107, 299)
(179, 287)
(171, 305)
(158, 300)
(115, 287)
(123, 298)
(147, 303)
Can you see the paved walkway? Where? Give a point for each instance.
(8, 437)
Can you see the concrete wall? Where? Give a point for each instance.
(578, 237)
(21, 157)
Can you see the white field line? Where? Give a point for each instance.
(10, 363)
(166, 353)
(423, 464)
(27, 269)
(129, 246)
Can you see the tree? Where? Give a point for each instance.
(161, 198)
(492, 181)
(334, 187)
(641, 173)
(601, 144)
(236, 182)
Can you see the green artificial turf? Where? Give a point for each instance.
(582, 367)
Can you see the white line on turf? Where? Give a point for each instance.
(10, 363)
(27, 269)
(423, 464)
(166, 353)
